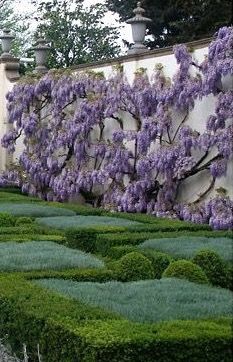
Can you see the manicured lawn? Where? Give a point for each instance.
(186, 247)
(84, 221)
(150, 300)
(41, 255)
(34, 210)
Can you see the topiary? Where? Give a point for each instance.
(6, 219)
(116, 252)
(134, 266)
(185, 269)
(213, 266)
(23, 220)
(160, 261)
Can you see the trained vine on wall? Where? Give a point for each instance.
(65, 120)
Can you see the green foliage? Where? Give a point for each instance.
(202, 18)
(84, 221)
(149, 300)
(23, 220)
(85, 238)
(229, 276)
(31, 236)
(105, 242)
(43, 255)
(34, 210)
(185, 269)
(187, 246)
(13, 195)
(213, 266)
(6, 219)
(160, 261)
(116, 252)
(17, 23)
(68, 330)
(78, 34)
(134, 266)
(81, 275)
(29, 229)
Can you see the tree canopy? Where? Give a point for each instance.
(77, 34)
(178, 21)
(17, 24)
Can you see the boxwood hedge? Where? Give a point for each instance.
(67, 331)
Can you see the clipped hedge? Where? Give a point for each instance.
(23, 220)
(185, 269)
(85, 238)
(159, 261)
(28, 229)
(134, 266)
(68, 331)
(6, 219)
(116, 252)
(213, 266)
(104, 242)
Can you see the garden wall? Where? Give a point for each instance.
(130, 64)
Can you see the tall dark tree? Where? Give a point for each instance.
(176, 21)
(77, 34)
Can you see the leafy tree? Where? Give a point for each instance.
(77, 137)
(178, 21)
(17, 24)
(77, 35)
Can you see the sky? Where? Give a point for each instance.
(110, 19)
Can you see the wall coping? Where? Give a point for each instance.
(196, 44)
(11, 68)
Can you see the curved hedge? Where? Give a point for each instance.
(67, 330)
(185, 269)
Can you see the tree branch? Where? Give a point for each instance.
(201, 196)
(181, 123)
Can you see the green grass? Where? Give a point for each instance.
(34, 210)
(149, 301)
(187, 247)
(43, 255)
(84, 221)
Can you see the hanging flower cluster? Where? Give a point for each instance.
(77, 139)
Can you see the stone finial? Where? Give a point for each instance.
(6, 42)
(138, 24)
(139, 11)
(41, 52)
(11, 64)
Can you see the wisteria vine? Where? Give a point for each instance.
(77, 137)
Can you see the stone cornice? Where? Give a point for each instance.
(197, 44)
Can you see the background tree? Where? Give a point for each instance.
(77, 35)
(177, 21)
(18, 24)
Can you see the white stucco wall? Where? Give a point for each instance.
(196, 120)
